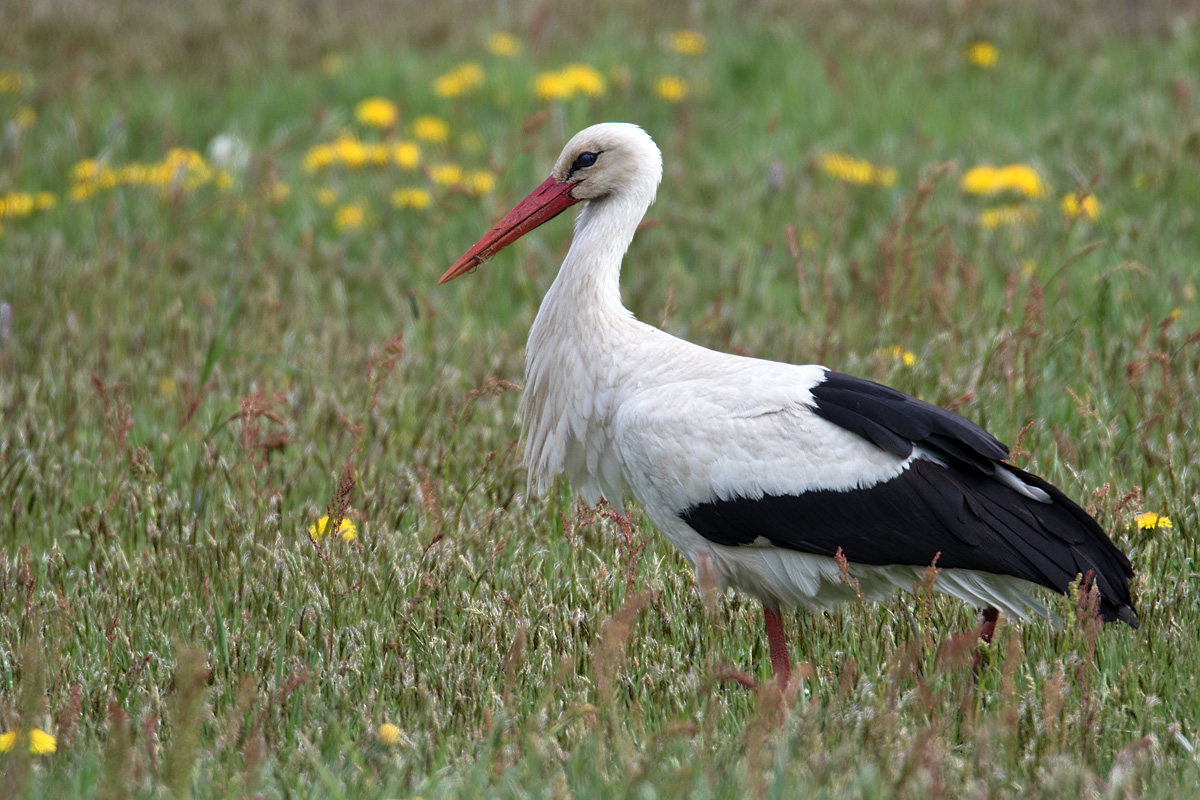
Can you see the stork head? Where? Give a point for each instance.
(607, 161)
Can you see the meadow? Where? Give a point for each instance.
(264, 525)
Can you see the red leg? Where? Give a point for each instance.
(779, 654)
(986, 631)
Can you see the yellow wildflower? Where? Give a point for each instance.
(689, 43)
(446, 174)
(504, 44)
(431, 129)
(279, 192)
(10, 82)
(551, 86)
(332, 64)
(462, 79)
(25, 118)
(82, 191)
(997, 216)
(984, 55)
(905, 357)
(481, 181)
(40, 742)
(318, 157)
(389, 734)
(347, 529)
(988, 180)
(326, 196)
(1073, 206)
(852, 170)
(166, 386)
(224, 181)
(377, 112)
(348, 217)
(406, 154)
(16, 204)
(585, 80)
(1150, 520)
(671, 88)
(569, 81)
(410, 198)
(350, 151)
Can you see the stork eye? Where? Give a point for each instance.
(584, 160)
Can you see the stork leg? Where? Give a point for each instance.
(986, 631)
(779, 654)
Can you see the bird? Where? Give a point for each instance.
(798, 485)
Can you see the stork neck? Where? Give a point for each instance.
(590, 276)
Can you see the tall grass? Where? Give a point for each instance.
(190, 380)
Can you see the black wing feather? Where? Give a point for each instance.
(956, 510)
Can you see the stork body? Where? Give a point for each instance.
(761, 472)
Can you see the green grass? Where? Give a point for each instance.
(163, 610)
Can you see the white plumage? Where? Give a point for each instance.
(739, 461)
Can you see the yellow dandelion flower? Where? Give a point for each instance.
(551, 86)
(318, 157)
(166, 387)
(988, 180)
(984, 55)
(504, 44)
(326, 197)
(446, 174)
(481, 181)
(462, 79)
(389, 734)
(431, 129)
(410, 198)
(279, 192)
(585, 80)
(81, 192)
(224, 181)
(1176, 313)
(406, 155)
(671, 88)
(1072, 206)
(346, 218)
(905, 357)
(688, 43)
(16, 204)
(350, 152)
(998, 216)
(346, 529)
(25, 118)
(11, 82)
(40, 742)
(333, 64)
(85, 170)
(1150, 520)
(568, 82)
(377, 112)
(853, 170)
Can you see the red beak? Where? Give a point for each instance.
(542, 205)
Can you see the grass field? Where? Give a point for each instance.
(219, 323)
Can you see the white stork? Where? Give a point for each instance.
(760, 472)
